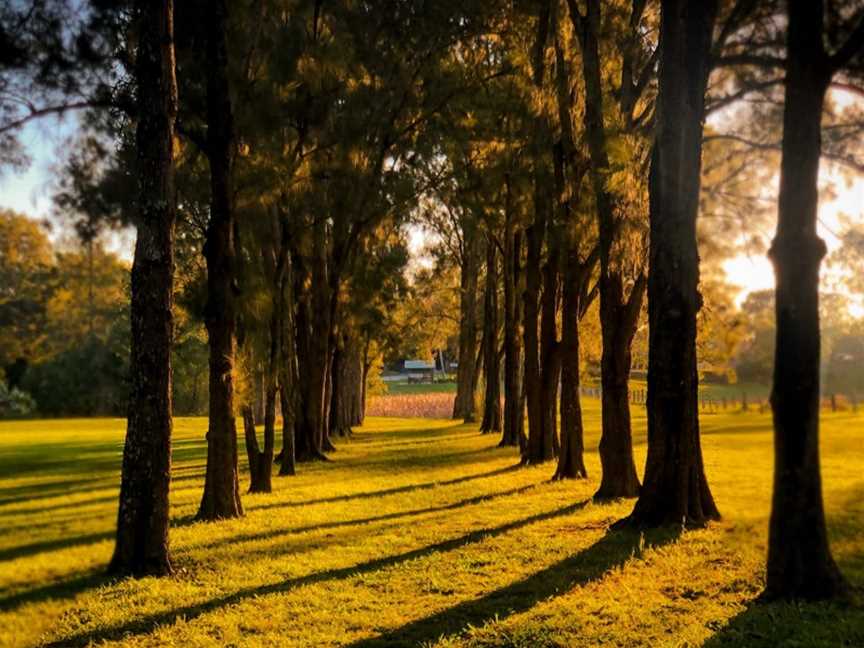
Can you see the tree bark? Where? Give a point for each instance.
(618, 327)
(550, 353)
(310, 363)
(618, 313)
(347, 376)
(571, 458)
(221, 498)
(676, 490)
(492, 397)
(464, 404)
(142, 521)
(514, 408)
(260, 466)
(539, 447)
(576, 296)
(800, 564)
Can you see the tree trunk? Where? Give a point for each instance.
(539, 447)
(464, 403)
(142, 520)
(310, 363)
(675, 489)
(287, 454)
(618, 327)
(618, 315)
(800, 564)
(344, 406)
(260, 466)
(514, 410)
(550, 358)
(492, 365)
(571, 461)
(221, 498)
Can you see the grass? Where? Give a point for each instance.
(405, 387)
(419, 532)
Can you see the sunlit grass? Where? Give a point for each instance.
(418, 531)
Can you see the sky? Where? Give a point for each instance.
(29, 192)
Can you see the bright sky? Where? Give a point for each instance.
(756, 272)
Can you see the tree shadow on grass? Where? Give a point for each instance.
(267, 535)
(769, 625)
(12, 553)
(150, 622)
(590, 564)
(764, 624)
(387, 491)
(64, 589)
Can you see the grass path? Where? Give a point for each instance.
(419, 532)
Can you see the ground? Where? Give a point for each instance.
(418, 532)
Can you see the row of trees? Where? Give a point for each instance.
(606, 206)
(275, 150)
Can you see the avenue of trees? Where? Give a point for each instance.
(570, 161)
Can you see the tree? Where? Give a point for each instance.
(675, 489)
(491, 421)
(142, 519)
(25, 278)
(619, 312)
(221, 498)
(799, 559)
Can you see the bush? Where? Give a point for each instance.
(15, 403)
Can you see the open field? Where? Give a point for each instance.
(419, 532)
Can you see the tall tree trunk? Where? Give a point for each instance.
(344, 406)
(357, 380)
(259, 467)
(275, 254)
(550, 352)
(800, 564)
(618, 314)
(618, 327)
(576, 296)
(514, 408)
(287, 365)
(287, 402)
(221, 498)
(571, 460)
(306, 447)
(676, 489)
(364, 380)
(464, 404)
(142, 519)
(311, 361)
(492, 365)
(539, 447)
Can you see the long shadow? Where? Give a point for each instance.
(249, 537)
(20, 551)
(58, 590)
(148, 623)
(766, 625)
(386, 460)
(387, 491)
(408, 433)
(614, 549)
(18, 494)
(57, 507)
(394, 442)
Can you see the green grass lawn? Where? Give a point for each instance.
(404, 387)
(418, 532)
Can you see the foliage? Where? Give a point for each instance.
(14, 403)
